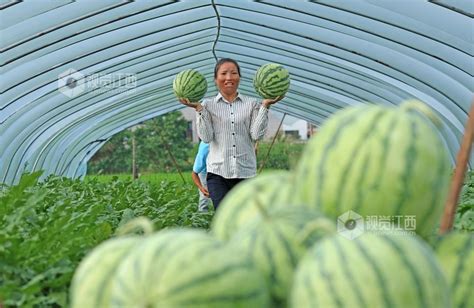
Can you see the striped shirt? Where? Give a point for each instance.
(231, 129)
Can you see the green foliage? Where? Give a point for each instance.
(115, 155)
(152, 178)
(284, 153)
(464, 219)
(154, 140)
(47, 228)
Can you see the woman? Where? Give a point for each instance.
(231, 123)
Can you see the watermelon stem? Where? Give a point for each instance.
(321, 224)
(140, 223)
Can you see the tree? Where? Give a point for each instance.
(159, 135)
(115, 156)
(153, 138)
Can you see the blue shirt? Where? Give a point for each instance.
(201, 158)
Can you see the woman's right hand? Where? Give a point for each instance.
(186, 102)
(204, 191)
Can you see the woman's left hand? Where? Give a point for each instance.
(267, 102)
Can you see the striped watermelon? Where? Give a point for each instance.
(271, 80)
(92, 280)
(177, 268)
(455, 252)
(377, 161)
(91, 284)
(278, 241)
(269, 189)
(190, 84)
(370, 271)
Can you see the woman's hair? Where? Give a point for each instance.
(225, 60)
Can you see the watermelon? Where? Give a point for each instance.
(455, 252)
(187, 268)
(92, 280)
(278, 241)
(370, 271)
(377, 161)
(271, 80)
(190, 84)
(269, 190)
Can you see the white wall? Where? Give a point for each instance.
(300, 125)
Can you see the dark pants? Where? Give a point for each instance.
(218, 187)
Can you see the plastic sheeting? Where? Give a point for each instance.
(76, 73)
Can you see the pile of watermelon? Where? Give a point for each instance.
(293, 239)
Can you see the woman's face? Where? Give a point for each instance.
(227, 80)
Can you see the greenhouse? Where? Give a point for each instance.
(387, 84)
(339, 53)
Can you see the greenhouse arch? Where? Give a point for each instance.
(339, 53)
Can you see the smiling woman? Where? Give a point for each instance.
(231, 123)
(227, 78)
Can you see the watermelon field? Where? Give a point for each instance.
(47, 228)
